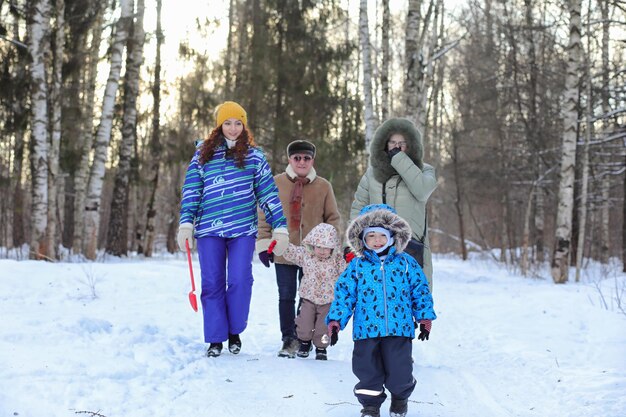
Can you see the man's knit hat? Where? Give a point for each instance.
(301, 146)
(228, 110)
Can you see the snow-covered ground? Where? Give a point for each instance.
(119, 339)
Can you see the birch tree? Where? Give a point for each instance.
(386, 59)
(39, 28)
(364, 40)
(55, 136)
(606, 108)
(20, 109)
(414, 80)
(103, 134)
(155, 140)
(561, 254)
(82, 173)
(117, 236)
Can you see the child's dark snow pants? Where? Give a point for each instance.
(226, 286)
(379, 363)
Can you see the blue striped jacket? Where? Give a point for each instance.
(221, 199)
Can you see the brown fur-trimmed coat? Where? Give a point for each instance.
(318, 206)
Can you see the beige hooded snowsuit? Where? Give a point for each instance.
(318, 281)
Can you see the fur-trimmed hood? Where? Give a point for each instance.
(379, 160)
(378, 215)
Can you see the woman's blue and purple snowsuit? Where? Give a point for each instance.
(221, 200)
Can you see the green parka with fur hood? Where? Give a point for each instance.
(405, 182)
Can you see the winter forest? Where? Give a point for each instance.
(521, 103)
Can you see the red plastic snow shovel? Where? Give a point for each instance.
(192, 294)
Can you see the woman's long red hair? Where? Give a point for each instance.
(244, 141)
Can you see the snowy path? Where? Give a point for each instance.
(502, 346)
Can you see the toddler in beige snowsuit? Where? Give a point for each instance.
(322, 263)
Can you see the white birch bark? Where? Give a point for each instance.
(55, 136)
(428, 66)
(82, 173)
(561, 254)
(386, 59)
(39, 28)
(364, 40)
(103, 134)
(117, 237)
(413, 60)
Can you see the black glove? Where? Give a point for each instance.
(266, 258)
(425, 326)
(393, 152)
(333, 331)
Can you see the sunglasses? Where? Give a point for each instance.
(299, 158)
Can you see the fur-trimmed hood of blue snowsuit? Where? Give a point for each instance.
(383, 295)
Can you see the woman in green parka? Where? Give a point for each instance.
(398, 176)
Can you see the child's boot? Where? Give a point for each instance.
(215, 350)
(234, 343)
(398, 407)
(320, 354)
(305, 348)
(370, 411)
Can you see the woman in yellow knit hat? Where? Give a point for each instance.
(226, 179)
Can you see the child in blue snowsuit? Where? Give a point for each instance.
(386, 291)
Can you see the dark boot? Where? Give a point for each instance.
(305, 348)
(289, 348)
(398, 407)
(320, 354)
(234, 344)
(215, 350)
(370, 411)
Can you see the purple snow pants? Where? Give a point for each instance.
(226, 286)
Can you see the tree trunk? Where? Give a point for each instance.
(413, 60)
(539, 224)
(561, 254)
(364, 41)
(624, 224)
(39, 29)
(428, 67)
(55, 137)
(103, 134)
(242, 47)
(384, 72)
(20, 117)
(155, 141)
(82, 173)
(605, 191)
(585, 177)
(458, 200)
(117, 236)
(228, 76)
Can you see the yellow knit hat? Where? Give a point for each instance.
(228, 110)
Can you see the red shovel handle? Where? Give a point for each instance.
(270, 249)
(192, 294)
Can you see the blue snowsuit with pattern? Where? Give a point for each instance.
(386, 296)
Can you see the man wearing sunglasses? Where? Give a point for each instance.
(307, 201)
